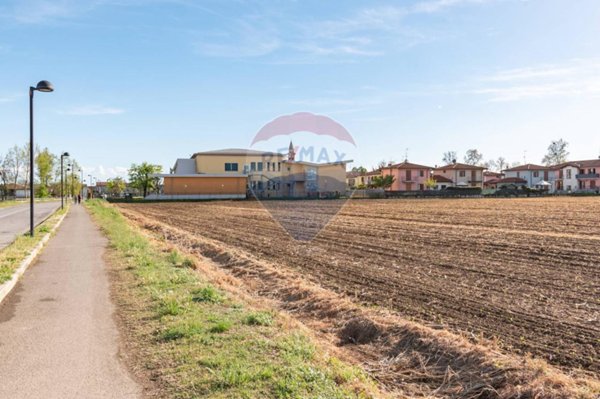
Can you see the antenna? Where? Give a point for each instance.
(524, 157)
(406, 155)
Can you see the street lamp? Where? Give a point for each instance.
(62, 196)
(45, 87)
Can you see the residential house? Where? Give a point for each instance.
(17, 190)
(356, 179)
(491, 179)
(536, 176)
(577, 176)
(407, 176)
(236, 173)
(462, 175)
(442, 182)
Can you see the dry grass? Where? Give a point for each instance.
(189, 338)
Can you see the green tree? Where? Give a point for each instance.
(140, 177)
(45, 166)
(116, 186)
(383, 181)
(557, 153)
(359, 169)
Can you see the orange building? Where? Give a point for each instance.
(237, 173)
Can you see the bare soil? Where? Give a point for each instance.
(522, 273)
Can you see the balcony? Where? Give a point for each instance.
(588, 176)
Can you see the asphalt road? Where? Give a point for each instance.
(14, 220)
(58, 338)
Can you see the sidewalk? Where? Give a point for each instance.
(57, 335)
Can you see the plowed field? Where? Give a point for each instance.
(525, 272)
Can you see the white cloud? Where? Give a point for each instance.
(575, 78)
(92, 110)
(102, 173)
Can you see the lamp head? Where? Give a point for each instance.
(44, 86)
(65, 154)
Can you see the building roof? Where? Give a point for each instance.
(441, 179)
(512, 180)
(526, 167)
(13, 186)
(376, 172)
(237, 151)
(459, 166)
(591, 163)
(495, 174)
(407, 165)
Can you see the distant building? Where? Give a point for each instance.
(535, 176)
(407, 176)
(361, 179)
(462, 175)
(237, 173)
(577, 176)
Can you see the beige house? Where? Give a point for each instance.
(238, 173)
(462, 175)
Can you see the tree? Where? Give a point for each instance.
(490, 165)
(4, 177)
(383, 181)
(501, 163)
(449, 157)
(557, 153)
(140, 177)
(359, 169)
(45, 165)
(473, 157)
(430, 183)
(116, 186)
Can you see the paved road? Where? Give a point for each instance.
(58, 338)
(14, 220)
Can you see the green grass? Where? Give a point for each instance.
(200, 342)
(12, 256)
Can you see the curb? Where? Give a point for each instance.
(7, 287)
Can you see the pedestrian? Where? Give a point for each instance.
(79, 198)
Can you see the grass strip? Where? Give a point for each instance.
(12, 256)
(197, 341)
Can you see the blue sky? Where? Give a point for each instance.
(152, 80)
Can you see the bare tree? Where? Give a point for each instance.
(473, 157)
(557, 153)
(449, 157)
(501, 163)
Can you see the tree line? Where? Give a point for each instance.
(14, 172)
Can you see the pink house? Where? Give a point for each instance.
(408, 176)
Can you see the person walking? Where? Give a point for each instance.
(79, 198)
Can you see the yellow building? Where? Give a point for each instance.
(238, 173)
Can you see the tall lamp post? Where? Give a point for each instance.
(45, 87)
(62, 195)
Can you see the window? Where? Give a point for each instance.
(279, 166)
(260, 166)
(260, 185)
(273, 167)
(422, 173)
(253, 166)
(268, 166)
(536, 174)
(462, 173)
(568, 173)
(231, 167)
